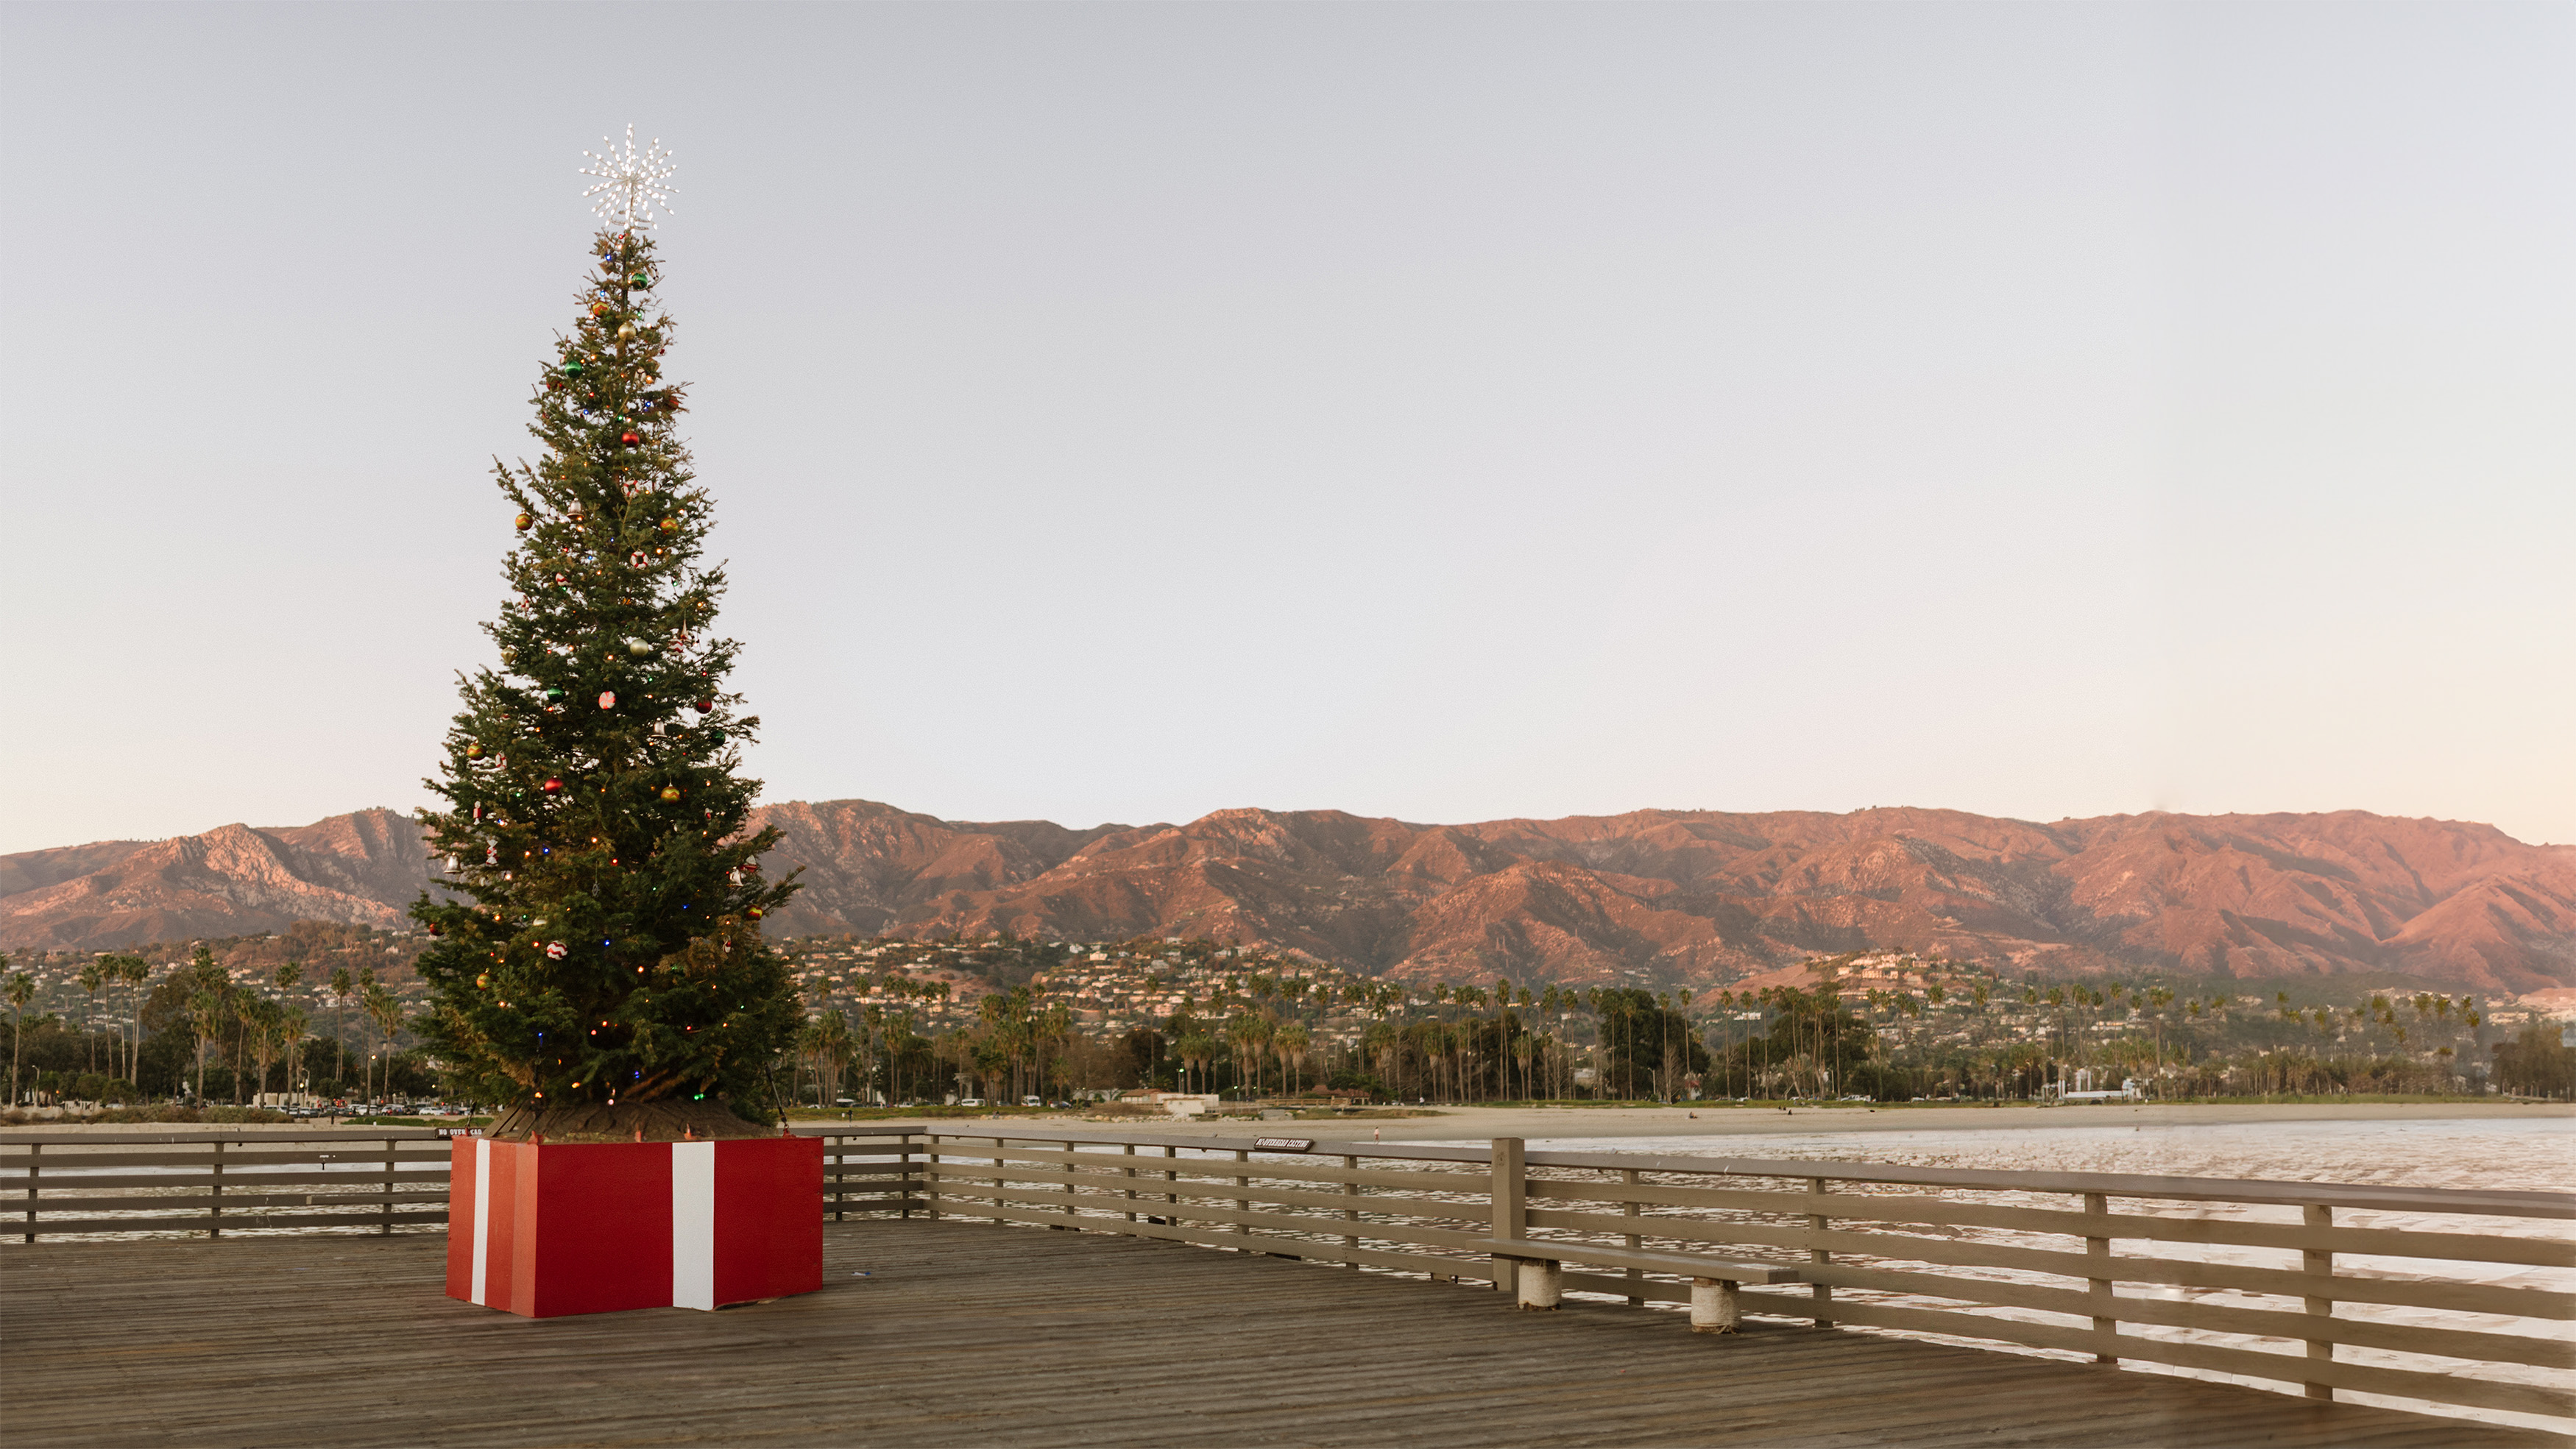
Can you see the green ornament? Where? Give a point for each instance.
(553, 694)
(640, 280)
(572, 369)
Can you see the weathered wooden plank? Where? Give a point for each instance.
(2253, 1363)
(2182, 1272)
(228, 1200)
(2477, 1203)
(2215, 1318)
(219, 1343)
(2547, 1252)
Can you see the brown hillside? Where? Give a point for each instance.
(1694, 897)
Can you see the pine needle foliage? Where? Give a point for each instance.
(605, 947)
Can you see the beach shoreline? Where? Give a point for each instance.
(1446, 1123)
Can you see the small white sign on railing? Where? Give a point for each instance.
(1283, 1144)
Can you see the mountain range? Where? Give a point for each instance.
(1696, 898)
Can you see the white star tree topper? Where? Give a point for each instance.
(630, 186)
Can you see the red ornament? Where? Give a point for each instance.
(629, 439)
(706, 706)
(553, 787)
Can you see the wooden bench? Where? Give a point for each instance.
(1540, 1274)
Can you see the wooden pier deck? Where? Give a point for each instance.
(970, 1334)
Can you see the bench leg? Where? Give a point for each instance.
(1714, 1306)
(1541, 1284)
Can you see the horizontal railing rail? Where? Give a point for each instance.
(2450, 1297)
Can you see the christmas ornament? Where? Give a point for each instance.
(670, 794)
(753, 912)
(572, 369)
(630, 186)
(637, 560)
(577, 512)
(706, 706)
(607, 699)
(599, 309)
(436, 929)
(473, 752)
(669, 525)
(556, 951)
(483, 981)
(553, 786)
(625, 331)
(638, 648)
(629, 439)
(639, 280)
(553, 694)
(523, 522)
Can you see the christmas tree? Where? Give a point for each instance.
(603, 972)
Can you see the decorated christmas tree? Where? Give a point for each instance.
(600, 972)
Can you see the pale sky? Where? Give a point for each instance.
(1447, 412)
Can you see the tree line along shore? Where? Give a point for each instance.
(321, 1013)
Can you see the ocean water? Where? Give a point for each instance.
(2534, 1153)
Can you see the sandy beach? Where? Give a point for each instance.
(1482, 1123)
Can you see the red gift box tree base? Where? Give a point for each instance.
(550, 1229)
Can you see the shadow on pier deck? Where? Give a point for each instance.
(966, 1334)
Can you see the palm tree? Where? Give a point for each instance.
(386, 1013)
(207, 1012)
(341, 989)
(265, 1021)
(136, 973)
(1293, 1041)
(92, 976)
(22, 989)
(291, 1026)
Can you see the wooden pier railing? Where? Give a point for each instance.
(361, 1179)
(2211, 1275)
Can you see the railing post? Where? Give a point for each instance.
(35, 1169)
(930, 1176)
(1242, 1204)
(215, 1229)
(1129, 1172)
(1630, 1208)
(2319, 1262)
(838, 1156)
(998, 1169)
(1071, 1209)
(386, 1230)
(2097, 1252)
(1351, 1190)
(1171, 1200)
(1823, 1293)
(903, 1184)
(1510, 1157)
